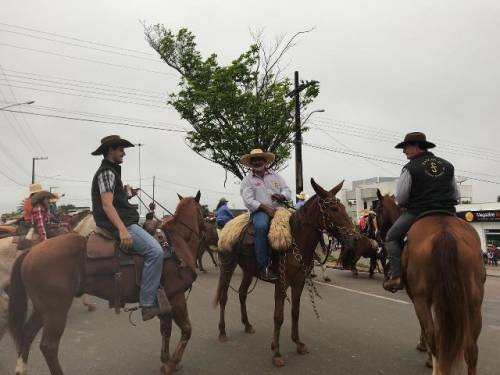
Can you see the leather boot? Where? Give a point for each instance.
(393, 285)
(266, 274)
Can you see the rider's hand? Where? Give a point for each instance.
(268, 210)
(125, 239)
(278, 197)
(134, 191)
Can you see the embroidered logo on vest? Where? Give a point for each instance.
(433, 167)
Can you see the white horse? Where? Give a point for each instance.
(9, 253)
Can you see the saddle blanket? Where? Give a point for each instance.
(280, 233)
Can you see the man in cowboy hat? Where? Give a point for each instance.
(222, 213)
(301, 199)
(40, 213)
(27, 207)
(426, 183)
(262, 190)
(113, 212)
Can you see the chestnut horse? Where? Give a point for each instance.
(53, 272)
(321, 212)
(444, 276)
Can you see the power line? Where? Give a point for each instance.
(80, 90)
(36, 142)
(112, 117)
(79, 81)
(76, 39)
(96, 121)
(16, 129)
(94, 87)
(367, 156)
(78, 45)
(87, 96)
(10, 178)
(87, 60)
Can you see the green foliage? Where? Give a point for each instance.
(234, 108)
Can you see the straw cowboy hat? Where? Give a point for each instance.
(303, 195)
(40, 196)
(364, 212)
(111, 140)
(416, 137)
(257, 153)
(35, 188)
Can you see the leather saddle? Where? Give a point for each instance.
(245, 245)
(104, 257)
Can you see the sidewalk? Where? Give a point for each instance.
(493, 271)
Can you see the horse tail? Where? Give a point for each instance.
(450, 303)
(18, 302)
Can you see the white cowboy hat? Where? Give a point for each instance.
(303, 195)
(257, 153)
(35, 188)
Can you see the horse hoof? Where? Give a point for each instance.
(421, 347)
(302, 349)
(278, 362)
(327, 279)
(371, 276)
(313, 275)
(178, 367)
(222, 338)
(249, 330)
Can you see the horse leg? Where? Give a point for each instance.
(54, 323)
(181, 318)
(224, 280)
(166, 332)
(373, 265)
(243, 292)
(30, 330)
(325, 276)
(297, 289)
(354, 269)
(279, 304)
(211, 253)
(423, 310)
(200, 260)
(422, 346)
(471, 350)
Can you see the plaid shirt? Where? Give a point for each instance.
(106, 181)
(40, 218)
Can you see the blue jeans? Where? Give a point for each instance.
(394, 240)
(151, 250)
(261, 224)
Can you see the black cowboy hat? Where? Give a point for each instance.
(416, 137)
(111, 141)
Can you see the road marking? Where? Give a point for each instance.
(363, 293)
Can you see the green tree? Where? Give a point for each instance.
(233, 108)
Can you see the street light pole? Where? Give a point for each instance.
(309, 115)
(33, 167)
(16, 104)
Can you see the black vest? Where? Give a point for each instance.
(126, 211)
(431, 184)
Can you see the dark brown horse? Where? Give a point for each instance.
(367, 248)
(208, 244)
(444, 276)
(52, 273)
(322, 212)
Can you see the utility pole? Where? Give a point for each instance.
(140, 176)
(299, 87)
(33, 167)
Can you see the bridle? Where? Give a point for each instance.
(330, 227)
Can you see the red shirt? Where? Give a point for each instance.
(40, 217)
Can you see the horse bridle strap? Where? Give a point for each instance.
(324, 204)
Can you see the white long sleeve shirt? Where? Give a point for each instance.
(257, 190)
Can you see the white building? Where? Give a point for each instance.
(485, 218)
(364, 193)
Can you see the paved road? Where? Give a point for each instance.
(362, 330)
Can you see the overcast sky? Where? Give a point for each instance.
(385, 68)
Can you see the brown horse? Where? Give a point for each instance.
(444, 276)
(367, 248)
(322, 212)
(54, 271)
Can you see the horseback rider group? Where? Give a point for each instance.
(426, 183)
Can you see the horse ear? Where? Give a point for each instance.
(180, 196)
(379, 195)
(337, 188)
(198, 196)
(318, 189)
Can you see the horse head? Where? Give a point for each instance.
(387, 212)
(188, 217)
(332, 215)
